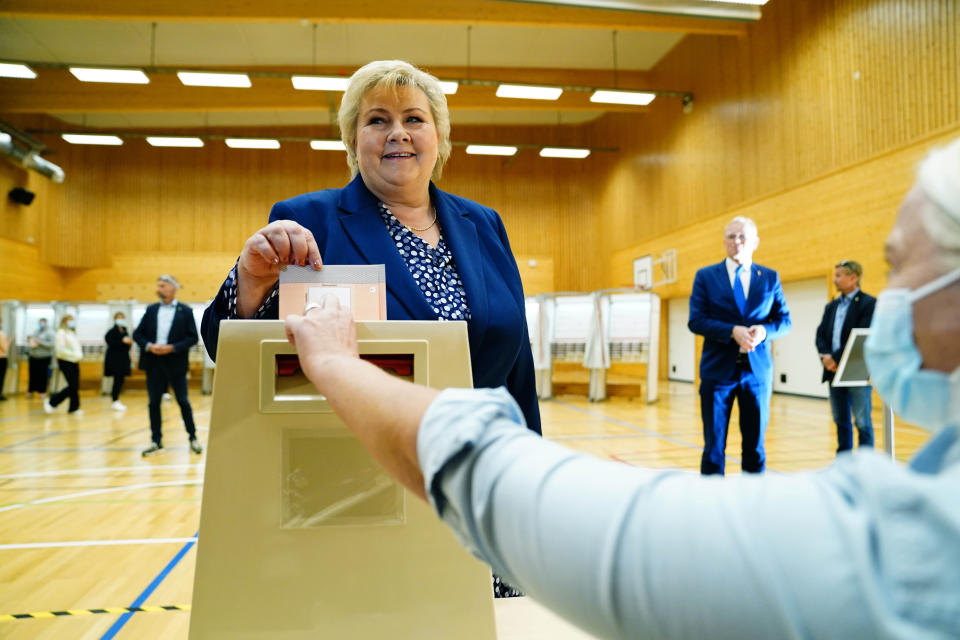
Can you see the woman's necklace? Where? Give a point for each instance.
(426, 228)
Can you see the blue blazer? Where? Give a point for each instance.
(183, 335)
(347, 226)
(714, 314)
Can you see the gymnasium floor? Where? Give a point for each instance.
(89, 527)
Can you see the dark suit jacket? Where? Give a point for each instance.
(183, 335)
(116, 361)
(860, 314)
(714, 314)
(347, 226)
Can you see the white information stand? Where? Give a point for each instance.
(852, 372)
(302, 534)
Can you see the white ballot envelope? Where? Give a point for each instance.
(360, 288)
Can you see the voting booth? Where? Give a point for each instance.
(302, 534)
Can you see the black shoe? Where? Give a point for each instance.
(152, 450)
(195, 446)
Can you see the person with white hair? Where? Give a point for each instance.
(739, 308)
(867, 548)
(445, 257)
(165, 335)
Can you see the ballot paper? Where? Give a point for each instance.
(360, 288)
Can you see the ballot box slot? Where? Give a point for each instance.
(285, 388)
(292, 383)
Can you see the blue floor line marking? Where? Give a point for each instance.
(43, 437)
(122, 620)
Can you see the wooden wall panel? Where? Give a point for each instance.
(134, 199)
(805, 230)
(25, 276)
(814, 88)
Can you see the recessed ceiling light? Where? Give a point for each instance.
(165, 141)
(198, 79)
(320, 83)
(82, 138)
(122, 76)
(490, 150)
(528, 92)
(641, 98)
(327, 145)
(449, 87)
(558, 152)
(11, 70)
(252, 143)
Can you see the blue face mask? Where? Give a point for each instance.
(924, 397)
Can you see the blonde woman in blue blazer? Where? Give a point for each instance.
(446, 257)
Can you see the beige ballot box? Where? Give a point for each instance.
(302, 534)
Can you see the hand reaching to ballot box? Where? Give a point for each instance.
(324, 332)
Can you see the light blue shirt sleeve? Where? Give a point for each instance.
(863, 549)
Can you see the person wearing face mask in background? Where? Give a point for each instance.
(866, 548)
(68, 352)
(116, 361)
(39, 351)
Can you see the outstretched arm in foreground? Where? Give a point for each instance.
(383, 411)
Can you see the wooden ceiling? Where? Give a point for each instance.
(475, 40)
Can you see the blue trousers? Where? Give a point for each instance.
(856, 400)
(716, 400)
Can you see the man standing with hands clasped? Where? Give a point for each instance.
(165, 334)
(738, 307)
(852, 308)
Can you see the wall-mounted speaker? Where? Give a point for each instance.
(21, 195)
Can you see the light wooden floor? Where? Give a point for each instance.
(86, 523)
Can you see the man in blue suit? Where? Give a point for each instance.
(738, 307)
(852, 308)
(165, 334)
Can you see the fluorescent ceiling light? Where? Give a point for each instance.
(530, 93)
(10, 70)
(252, 143)
(490, 150)
(123, 76)
(165, 141)
(557, 152)
(320, 83)
(640, 98)
(80, 138)
(196, 79)
(449, 87)
(327, 145)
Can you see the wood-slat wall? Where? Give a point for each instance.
(816, 87)
(779, 115)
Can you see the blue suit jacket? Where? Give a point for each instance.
(714, 314)
(347, 226)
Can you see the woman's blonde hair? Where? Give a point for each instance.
(394, 74)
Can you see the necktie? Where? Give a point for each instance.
(738, 296)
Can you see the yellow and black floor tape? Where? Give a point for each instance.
(87, 612)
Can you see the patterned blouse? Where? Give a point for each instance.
(432, 269)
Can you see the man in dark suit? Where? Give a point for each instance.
(738, 307)
(852, 308)
(165, 334)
